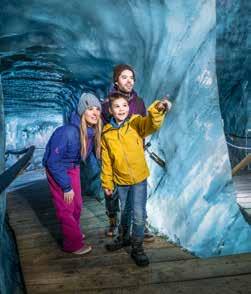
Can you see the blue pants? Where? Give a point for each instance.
(133, 208)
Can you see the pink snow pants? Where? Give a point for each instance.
(68, 214)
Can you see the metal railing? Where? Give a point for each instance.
(7, 177)
(245, 161)
(241, 151)
(154, 156)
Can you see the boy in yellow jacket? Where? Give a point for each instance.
(124, 168)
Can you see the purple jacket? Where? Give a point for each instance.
(136, 106)
(62, 151)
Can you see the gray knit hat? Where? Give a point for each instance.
(87, 100)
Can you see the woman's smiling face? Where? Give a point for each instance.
(92, 115)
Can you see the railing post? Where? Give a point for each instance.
(245, 161)
(2, 162)
(2, 129)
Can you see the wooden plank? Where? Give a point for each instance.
(47, 269)
(126, 275)
(243, 194)
(101, 256)
(226, 285)
(245, 205)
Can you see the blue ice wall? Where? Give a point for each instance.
(51, 52)
(2, 150)
(193, 200)
(33, 128)
(233, 61)
(10, 279)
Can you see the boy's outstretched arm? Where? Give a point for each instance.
(106, 169)
(153, 121)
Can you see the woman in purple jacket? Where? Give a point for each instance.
(66, 147)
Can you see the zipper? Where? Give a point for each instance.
(126, 159)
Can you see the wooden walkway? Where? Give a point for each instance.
(46, 269)
(243, 193)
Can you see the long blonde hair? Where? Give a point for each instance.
(84, 137)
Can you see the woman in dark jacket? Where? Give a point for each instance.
(66, 147)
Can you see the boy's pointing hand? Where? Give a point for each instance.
(164, 105)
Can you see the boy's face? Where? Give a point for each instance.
(126, 81)
(119, 109)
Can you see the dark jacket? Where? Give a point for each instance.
(63, 152)
(136, 106)
(90, 167)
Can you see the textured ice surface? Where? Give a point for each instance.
(30, 129)
(51, 52)
(233, 61)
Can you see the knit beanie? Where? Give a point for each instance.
(87, 100)
(118, 70)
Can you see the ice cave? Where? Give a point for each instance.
(197, 52)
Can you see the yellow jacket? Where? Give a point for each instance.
(122, 152)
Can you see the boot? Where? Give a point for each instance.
(138, 254)
(111, 232)
(122, 240)
(148, 236)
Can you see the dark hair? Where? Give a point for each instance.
(118, 70)
(116, 95)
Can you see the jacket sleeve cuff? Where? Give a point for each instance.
(155, 106)
(67, 189)
(152, 109)
(108, 186)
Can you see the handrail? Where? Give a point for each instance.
(19, 151)
(154, 156)
(11, 173)
(236, 136)
(245, 161)
(16, 151)
(237, 146)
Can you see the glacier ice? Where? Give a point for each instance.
(51, 52)
(32, 129)
(233, 64)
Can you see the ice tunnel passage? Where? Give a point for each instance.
(50, 53)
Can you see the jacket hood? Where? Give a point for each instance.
(112, 126)
(75, 119)
(109, 126)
